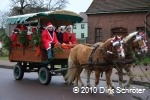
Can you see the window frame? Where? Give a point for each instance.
(74, 26)
(82, 26)
(100, 35)
(82, 34)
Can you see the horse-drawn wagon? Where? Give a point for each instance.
(101, 57)
(34, 58)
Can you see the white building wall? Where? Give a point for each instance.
(79, 30)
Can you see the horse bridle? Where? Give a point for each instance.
(137, 42)
(141, 47)
(115, 53)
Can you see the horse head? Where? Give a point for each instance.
(115, 45)
(137, 41)
(140, 41)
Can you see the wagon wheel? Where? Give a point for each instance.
(18, 72)
(44, 76)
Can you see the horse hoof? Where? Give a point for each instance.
(123, 91)
(113, 87)
(88, 85)
(110, 95)
(126, 87)
(91, 91)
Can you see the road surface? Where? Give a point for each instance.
(30, 89)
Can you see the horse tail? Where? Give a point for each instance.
(70, 76)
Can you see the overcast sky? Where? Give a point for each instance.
(74, 5)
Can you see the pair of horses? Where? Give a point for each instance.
(103, 58)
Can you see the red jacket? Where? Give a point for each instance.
(67, 40)
(14, 37)
(47, 39)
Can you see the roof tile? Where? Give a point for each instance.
(118, 5)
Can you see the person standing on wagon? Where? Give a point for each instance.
(49, 37)
(69, 37)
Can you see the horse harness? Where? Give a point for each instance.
(91, 63)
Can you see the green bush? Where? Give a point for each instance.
(36, 39)
(4, 52)
(81, 40)
(6, 40)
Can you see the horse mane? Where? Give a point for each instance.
(107, 46)
(107, 43)
(128, 37)
(89, 45)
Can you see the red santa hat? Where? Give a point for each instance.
(68, 26)
(23, 28)
(49, 24)
(16, 29)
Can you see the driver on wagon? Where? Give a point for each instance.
(48, 38)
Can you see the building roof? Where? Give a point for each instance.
(114, 6)
(84, 16)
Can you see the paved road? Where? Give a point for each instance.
(30, 89)
(136, 71)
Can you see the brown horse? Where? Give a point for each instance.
(80, 55)
(136, 42)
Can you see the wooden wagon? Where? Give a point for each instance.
(25, 57)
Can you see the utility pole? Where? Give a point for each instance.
(146, 26)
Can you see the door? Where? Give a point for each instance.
(119, 32)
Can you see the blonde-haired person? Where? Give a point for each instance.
(69, 37)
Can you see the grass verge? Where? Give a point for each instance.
(145, 60)
(4, 58)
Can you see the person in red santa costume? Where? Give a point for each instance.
(14, 36)
(48, 38)
(69, 37)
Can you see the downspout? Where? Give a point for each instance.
(146, 26)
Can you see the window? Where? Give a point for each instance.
(82, 35)
(98, 35)
(140, 28)
(74, 26)
(82, 26)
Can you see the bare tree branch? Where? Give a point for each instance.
(3, 17)
(32, 6)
